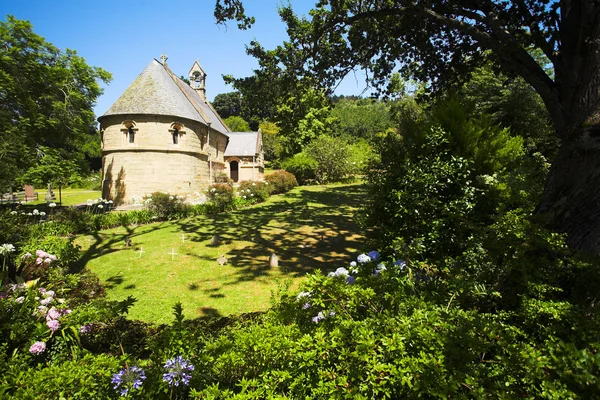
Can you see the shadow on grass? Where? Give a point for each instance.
(308, 229)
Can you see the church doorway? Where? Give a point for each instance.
(234, 170)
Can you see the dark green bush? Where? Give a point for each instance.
(220, 196)
(280, 182)
(303, 167)
(164, 206)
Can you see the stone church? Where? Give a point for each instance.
(163, 135)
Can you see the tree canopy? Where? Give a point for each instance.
(47, 95)
(441, 42)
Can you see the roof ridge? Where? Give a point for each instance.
(178, 82)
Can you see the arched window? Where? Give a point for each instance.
(177, 130)
(131, 134)
(129, 130)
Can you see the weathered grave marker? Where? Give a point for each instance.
(173, 254)
(141, 251)
(273, 261)
(222, 260)
(127, 241)
(214, 241)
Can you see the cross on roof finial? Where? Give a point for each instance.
(164, 58)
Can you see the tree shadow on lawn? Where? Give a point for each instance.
(308, 229)
(106, 243)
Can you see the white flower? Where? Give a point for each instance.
(100, 206)
(302, 295)
(110, 202)
(171, 197)
(30, 214)
(13, 213)
(243, 197)
(90, 202)
(253, 184)
(7, 248)
(341, 271)
(36, 212)
(42, 213)
(20, 300)
(52, 205)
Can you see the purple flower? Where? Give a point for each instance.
(37, 348)
(350, 280)
(53, 325)
(319, 317)
(306, 306)
(400, 264)
(178, 371)
(374, 255)
(87, 328)
(20, 300)
(380, 268)
(128, 379)
(363, 258)
(46, 301)
(53, 313)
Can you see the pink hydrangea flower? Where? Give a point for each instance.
(53, 325)
(39, 260)
(37, 348)
(53, 313)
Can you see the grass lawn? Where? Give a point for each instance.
(70, 197)
(308, 228)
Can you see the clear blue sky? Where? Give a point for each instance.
(124, 36)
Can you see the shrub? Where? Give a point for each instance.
(280, 182)
(163, 205)
(253, 192)
(223, 178)
(220, 196)
(333, 158)
(302, 166)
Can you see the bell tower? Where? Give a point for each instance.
(198, 79)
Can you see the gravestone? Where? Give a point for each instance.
(273, 261)
(214, 241)
(50, 194)
(222, 260)
(127, 241)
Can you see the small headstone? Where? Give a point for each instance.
(214, 242)
(50, 194)
(141, 251)
(273, 260)
(222, 260)
(127, 241)
(173, 254)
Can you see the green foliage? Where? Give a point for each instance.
(85, 378)
(48, 97)
(163, 205)
(362, 118)
(303, 167)
(253, 192)
(280, 182)
(237, 124)
(272, 142)
(53, 167)
(228, 105)
(221, 197)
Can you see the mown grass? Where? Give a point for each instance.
(308, 228)
(70, 197)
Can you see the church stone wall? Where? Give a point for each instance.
(153, 162)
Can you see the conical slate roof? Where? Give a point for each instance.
(157, 91)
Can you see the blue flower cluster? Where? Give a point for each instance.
(179, 371)
(128, 379)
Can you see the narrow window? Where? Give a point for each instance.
(175, 136)
(131, 134)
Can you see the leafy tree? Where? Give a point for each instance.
(47, 97)
(272, 145)
(449, 41)
(237, 124)
(362, 118)
(228, 104)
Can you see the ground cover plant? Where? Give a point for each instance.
(308, 228)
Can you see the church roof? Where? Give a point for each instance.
(242, 144)
(157, 91)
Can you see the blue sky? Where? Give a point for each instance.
(124, 36)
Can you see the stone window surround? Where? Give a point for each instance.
(125, 129)
(180, 131)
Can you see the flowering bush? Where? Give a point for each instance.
(253, 192)
(220, 196)
(164, 205)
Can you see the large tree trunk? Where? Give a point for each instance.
(571, 199)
